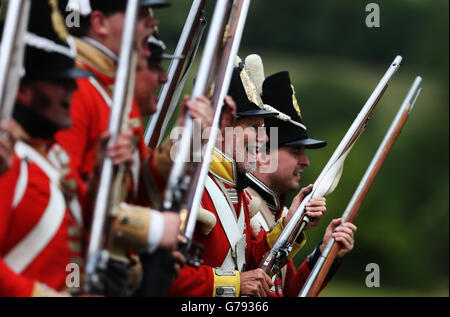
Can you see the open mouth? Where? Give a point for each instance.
(298, 173)
(144, 47)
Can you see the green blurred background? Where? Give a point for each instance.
(335, 61)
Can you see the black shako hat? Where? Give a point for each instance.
(157, 48)
(121, 5)
(85, 7)
(244, 93)
(278, 92)
(50, 52)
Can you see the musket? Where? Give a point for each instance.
(328, 178)
(111, 178)
(315, 280)
(170, 92)
(187, 179)
(191, 194)
(12, 54)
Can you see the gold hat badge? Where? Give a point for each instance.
(295, 103)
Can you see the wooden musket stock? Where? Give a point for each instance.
(327, 179)
(322, 267)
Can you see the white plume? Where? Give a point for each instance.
(255, 67)
(81, 6)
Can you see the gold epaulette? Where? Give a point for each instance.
(93, 57)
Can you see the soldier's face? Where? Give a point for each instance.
(247, 135)
(148, 83)
(52, 99)
(145, 26)
(292, 161)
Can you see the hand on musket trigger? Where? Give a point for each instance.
(343, 234)
(296, 203)
(315, 209)
(120, 151)
(200, 109)
(169, 240)
(255, 283)
(180, 261)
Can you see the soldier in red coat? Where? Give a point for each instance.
(40, 223)
(98, 41)
(231, 252)
(268, 190)
(42, 227)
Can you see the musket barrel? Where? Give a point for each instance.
(314, 282)
(200, 86)
(12, 53)
(186, 181)
(207, 155)
(383, 150)
(210, 49)
(121, 96)
(344, 144)
(187, 34)
(320, 187)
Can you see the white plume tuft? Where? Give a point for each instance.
(255, 68)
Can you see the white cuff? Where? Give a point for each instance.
(155, 231)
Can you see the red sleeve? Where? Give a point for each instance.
(75, 140)
(11, 284)
(193, 282)
(257, 245)
(200, 281)
(89, 119)
(296, 279)
(257, 248)
(7, 187)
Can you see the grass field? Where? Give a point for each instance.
(391, 228)
(335, 289)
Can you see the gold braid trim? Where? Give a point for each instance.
(295, 103)
(250, 89)
(94, 58)
(58, 21)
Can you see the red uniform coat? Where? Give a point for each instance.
(294, 278)
(90, 112)
(16, 222)
(199, 282)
